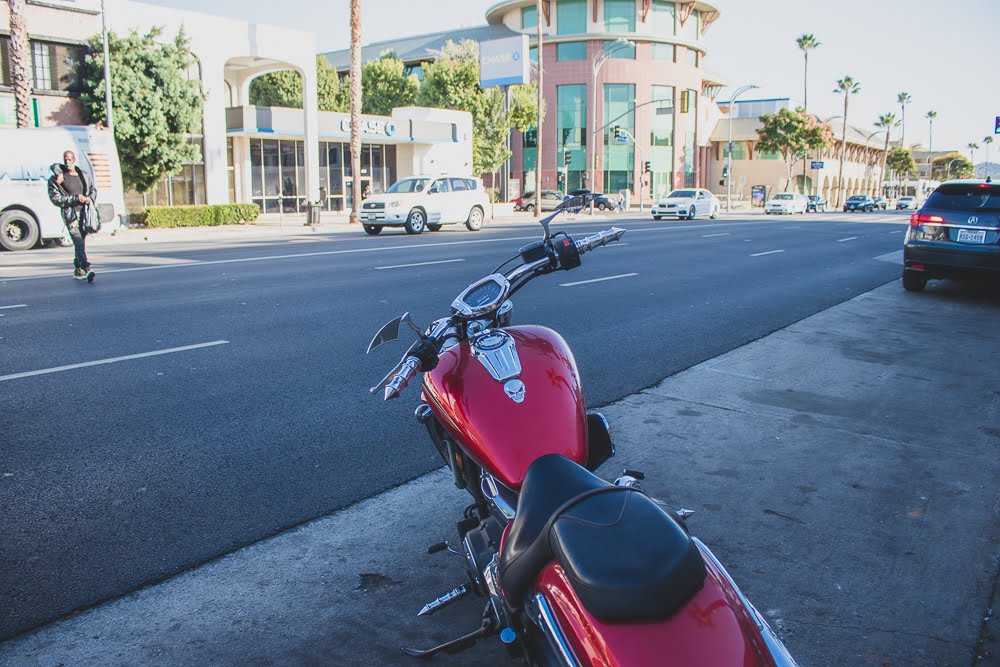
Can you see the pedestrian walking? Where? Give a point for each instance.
(367, 192)
(73, 192)
(620, 205)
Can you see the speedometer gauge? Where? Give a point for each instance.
(482, 297)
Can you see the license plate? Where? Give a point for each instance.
(972, 236)
(369, 216)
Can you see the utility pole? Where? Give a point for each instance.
(107, 68)
(539, 153)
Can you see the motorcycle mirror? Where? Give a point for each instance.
(390, 331)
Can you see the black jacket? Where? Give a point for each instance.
(69, 204)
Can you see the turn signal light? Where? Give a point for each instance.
(918, 219)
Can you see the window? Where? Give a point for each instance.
(571, 122)
(571, 17)
(619, 158)
(692, 57)
(619, 16)
(739, 150)
(459, 184)
(662, 141)
(57, 66)
(689, 30)
(571, 51)
(664, 52)
(6, 75)
(185, 188)
(663, 18)
(40, 65)
(529, 17)
(619, 50)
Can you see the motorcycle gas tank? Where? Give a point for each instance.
(711, 629)
(502, 435)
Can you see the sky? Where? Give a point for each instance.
(944, 54)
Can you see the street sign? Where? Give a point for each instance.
(817, 164)
(503, 62)
(622, 139)
(996, 126)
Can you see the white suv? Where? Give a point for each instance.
(426, 201)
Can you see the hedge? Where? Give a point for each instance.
(198, 216)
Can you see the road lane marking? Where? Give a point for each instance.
(708, 236)
(896, 231)
(113, 360)
(406, 266)
(20, 305)
(849, 238)
(597, 280)
(769, 252)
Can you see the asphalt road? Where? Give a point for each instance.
(124, 473)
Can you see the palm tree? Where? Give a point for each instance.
(931, 115)
(20, 57)
(972, 146)
(903, 99)
(988, 140)
(355, 75)
(848, 86)
(807, 43)
(887, 122)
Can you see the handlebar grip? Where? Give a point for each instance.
(588, 243)
(408, 368)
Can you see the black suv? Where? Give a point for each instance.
(955, 234)
(859, 203)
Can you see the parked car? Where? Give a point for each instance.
(786, 202)
(907, 204)
(879, 202)
(550, 200)
(816, 204)
(426, 201)
(859, 203)
(955, 234)
(687, 203)
(601, 201)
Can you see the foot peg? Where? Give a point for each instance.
(454, 646)
(444, 600)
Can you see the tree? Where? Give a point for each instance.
(355, 87)
(848, 86)
(791, 134)
(157, 104)
(987, 140)
(284, 89)
(900, 160)
(20, 56)
(973, 147)
(952, 165)
(452, 82)
(385, 86)
(903, 99)
(807, 43)
(931, 115)
(887, 122)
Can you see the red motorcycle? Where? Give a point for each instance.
(575, 570)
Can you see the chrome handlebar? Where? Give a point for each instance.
(400, 376)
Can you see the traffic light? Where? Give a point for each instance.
(618, 132)
(725, 172)
(567, 157)
(648, 166)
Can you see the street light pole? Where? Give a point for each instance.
(867, 139)
(729, 146)
(596, 65)
(107, 67)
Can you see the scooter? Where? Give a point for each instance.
(574, 570)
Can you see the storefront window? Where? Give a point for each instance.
(185, 188)
(571, 109)
(663, 18)
(619, 157)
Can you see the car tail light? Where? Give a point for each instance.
(918, 219)
(916, 267)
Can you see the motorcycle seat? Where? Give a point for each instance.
(625, 556)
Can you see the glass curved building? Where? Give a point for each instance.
(635, 64)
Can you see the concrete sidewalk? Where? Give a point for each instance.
(844, 469)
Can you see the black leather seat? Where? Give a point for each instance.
(626, 557)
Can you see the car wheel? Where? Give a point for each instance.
(373, 230)
(691, 213)
(475, 221)
(657, 217)
(415, 221)
(433, 228)
(913, 281)
(18, 230)
(715, 213)
(530, 208)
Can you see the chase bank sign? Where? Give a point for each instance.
(371, 127)
(503, 62)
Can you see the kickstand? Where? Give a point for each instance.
(454, 646)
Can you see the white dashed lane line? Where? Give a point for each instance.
(769, 252)
(849, 238)
(20, 305)
(406, 266)
(113, 360)
(597, 280)
(708, 236)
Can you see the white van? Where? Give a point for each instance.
(27, 217)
